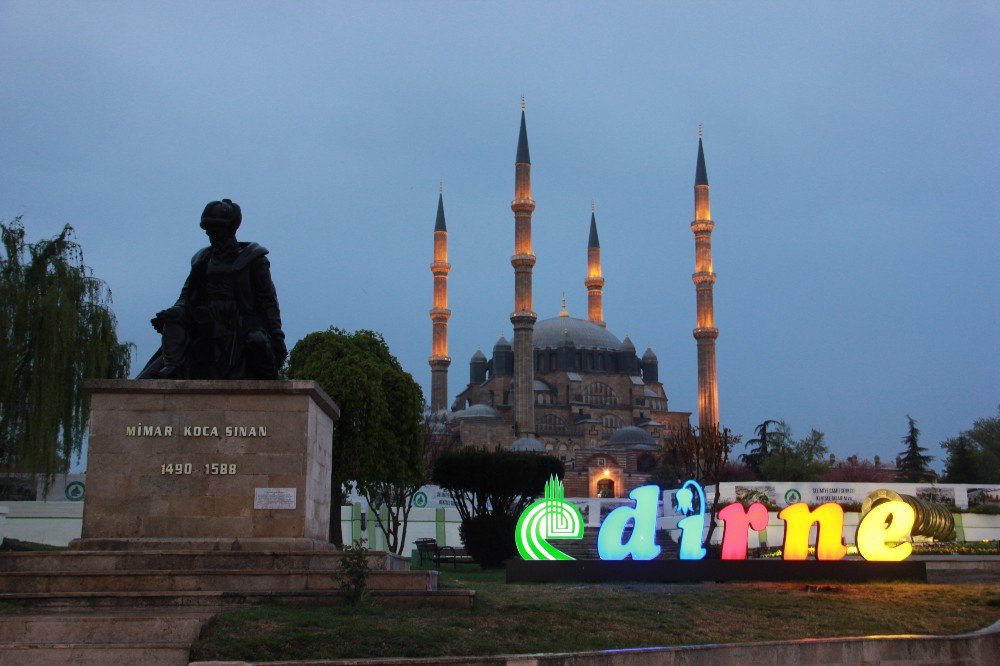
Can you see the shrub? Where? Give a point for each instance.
(353, 573)
(490, 490)
(489, 540)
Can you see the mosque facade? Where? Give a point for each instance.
(568, 386)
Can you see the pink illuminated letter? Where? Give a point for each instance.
(738, 523)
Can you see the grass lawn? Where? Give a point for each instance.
(528, 618)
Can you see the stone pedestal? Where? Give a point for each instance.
(219, 465)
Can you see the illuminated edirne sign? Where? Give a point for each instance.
(880, 535)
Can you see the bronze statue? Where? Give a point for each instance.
(226, 323)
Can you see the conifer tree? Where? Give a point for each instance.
(913, 466)
(56, 329)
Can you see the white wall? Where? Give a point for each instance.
(52, 523)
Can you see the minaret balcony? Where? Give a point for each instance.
(703, 278)
(702, 225)
(439, 361)
(440, 314)
(523, 318)
(522, 205)
(707, 333)
(594, 282)
(440, 268)
(522, 260)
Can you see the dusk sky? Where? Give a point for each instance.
(851, 151)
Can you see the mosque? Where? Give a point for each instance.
(566, 386)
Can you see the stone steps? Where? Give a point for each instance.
(107, 654)
(73, 580)
(234, 580)
(215, 601)
(89, 629)
(97, 640)
(147, 607)
(96, 561)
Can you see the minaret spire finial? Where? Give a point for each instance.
(564, 312)
(593, 207)
(699, 130)
(441, 186)
(522, 102)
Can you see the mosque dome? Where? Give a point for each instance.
(632, 437)
(528, 444)
(479, 410)
(440, 416)
(550, 334)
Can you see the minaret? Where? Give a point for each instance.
(523, 317)
(440, 313)
(594, 281)
(704, 279)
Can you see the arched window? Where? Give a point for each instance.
(599, 394)
(611, 423)
(605, 488)
(550, 424)
(552, 361)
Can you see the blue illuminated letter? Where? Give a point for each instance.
(642, 544)
(693, 525)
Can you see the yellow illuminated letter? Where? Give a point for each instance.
(889, 521)
(829, 538)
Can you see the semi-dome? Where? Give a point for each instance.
(528, 444)
(478, 410)
(550, 334)
(632, 437)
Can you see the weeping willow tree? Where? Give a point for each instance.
(56, 328)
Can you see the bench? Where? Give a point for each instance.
(429, 550)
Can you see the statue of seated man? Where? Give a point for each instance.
(226, 323)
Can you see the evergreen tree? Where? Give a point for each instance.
(974, 456)
(913, 467)
(761, 447)
(962, 464)
(795, 460)
(56, 329)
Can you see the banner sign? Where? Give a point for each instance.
(782, 494)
